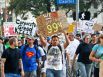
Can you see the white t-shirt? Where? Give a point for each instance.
(54, 57)
(71, 48)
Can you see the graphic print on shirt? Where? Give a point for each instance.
(54, 56)
(30, 54)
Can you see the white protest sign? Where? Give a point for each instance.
(25, 27)
(86, 26)
(9, 29)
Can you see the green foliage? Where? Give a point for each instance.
(38, 7)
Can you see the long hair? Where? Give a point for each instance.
(101, 36)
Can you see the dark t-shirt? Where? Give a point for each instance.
(12, 60)
(84, 51)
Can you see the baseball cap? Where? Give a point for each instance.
(30, 37)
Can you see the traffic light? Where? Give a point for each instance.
(85, 15)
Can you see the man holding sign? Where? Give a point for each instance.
(54, 63)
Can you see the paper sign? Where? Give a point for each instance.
(9, 29)
(24, 27)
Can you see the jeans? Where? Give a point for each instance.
(54, 73)
(12, 75)
(96, 72)
(85, 69)
(31, 74)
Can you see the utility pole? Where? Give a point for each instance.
(77, 14)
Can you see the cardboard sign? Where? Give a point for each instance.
(51, 23)
(24, 27)
(97, 27)
(101, 69)
(9, 29)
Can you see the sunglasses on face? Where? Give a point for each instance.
(29, 39)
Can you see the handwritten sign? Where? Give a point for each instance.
(23, 27)
(50, 23)
(9, 29)
(86, 26)
(97, 27)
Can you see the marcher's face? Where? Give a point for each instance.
(71, 37)
(16, 42)
(30, 41)
(94, 38)
(55, 41)
(87, 39)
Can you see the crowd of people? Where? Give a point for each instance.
(48, 57)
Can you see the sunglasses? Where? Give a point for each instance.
(29, 39)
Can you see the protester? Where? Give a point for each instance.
(78, 37)
(11, 60)
(96, 54)
(83, 61)
(93, 42)
(54, 56)
(1, 51)
(70, 52)
(30, 56)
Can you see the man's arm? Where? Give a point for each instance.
(21, 67)
(2, 67)
(67, 40)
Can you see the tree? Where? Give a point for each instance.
(38, 7)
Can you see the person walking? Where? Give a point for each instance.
(96, 54)
(30, 57)
(54, 52)
(83, 50)
(11, 60)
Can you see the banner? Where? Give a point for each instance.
(9, 29)
(51, 23)
(24, 27)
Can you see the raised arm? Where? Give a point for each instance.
(67, 40)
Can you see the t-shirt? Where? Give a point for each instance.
(54, 57)
(29, 57)
(84, 51)
(71, 48)
(98, 49)
(12, 60)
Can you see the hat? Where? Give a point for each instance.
(48, 38)
(31, 37)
